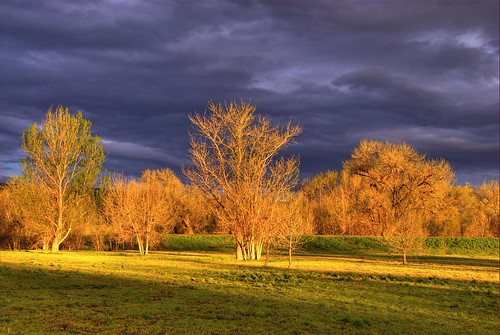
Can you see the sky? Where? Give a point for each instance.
(425, 73)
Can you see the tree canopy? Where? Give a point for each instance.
(233, 156)
(64, 160)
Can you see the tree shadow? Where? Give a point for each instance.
(41, 300)
(412, 259)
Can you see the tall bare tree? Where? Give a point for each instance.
(405, 187)
(233, 155)
(64, 161)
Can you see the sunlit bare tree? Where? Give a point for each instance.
(233, 162)
(145, 208)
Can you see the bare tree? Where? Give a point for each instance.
(233, 154)
(11, 226)
(64, 160)
(405, 187)
(196, 216)
(295, 220)
(145, 208)
(32, 207)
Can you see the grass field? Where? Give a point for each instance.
(211, 293)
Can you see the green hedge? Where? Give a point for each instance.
(339, 244)
(328, 243)
(462, 245)
(220, 243)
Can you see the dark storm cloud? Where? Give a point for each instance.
(425, 73)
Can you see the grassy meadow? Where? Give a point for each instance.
(85, 292)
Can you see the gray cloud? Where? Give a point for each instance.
(425, 73)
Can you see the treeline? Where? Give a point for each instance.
(124, 213)
(346, 204)
(237, 187)
(137, 213)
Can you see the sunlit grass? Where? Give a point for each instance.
(203, 293)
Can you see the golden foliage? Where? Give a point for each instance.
(144, 208)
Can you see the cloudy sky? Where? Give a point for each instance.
(421, 72)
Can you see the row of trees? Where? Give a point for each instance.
(238, 186)
(348, 208)
(391, 190)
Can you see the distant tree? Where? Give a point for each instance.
(319, 191)
(345, 205)
(85, 233)
(295, 219)
(196, 216)
(98, 230)
(143, 209)
(462, 208)
(446, 219)
(63, 162)
(405, 188)
(489, 207)
(324, 183)
(11, 228)
(233, 153)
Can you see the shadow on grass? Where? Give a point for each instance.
(358, 257)
(418, 259)
(239, 300)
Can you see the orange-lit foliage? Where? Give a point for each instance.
(144, 208)
(404, 188)
(233, 153)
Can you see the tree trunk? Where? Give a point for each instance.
(260, 245)
(289, 252)
(239, 251)
(189, 226)
(139, 244)
(46, 243)
(404, 257)
(268, 247)
(55, 244)
(59, 226)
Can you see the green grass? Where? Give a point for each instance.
(341, 244)
(463, 245)
(211, 293)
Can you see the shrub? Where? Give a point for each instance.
(220, 243)
(462, 245)
(323, 243)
